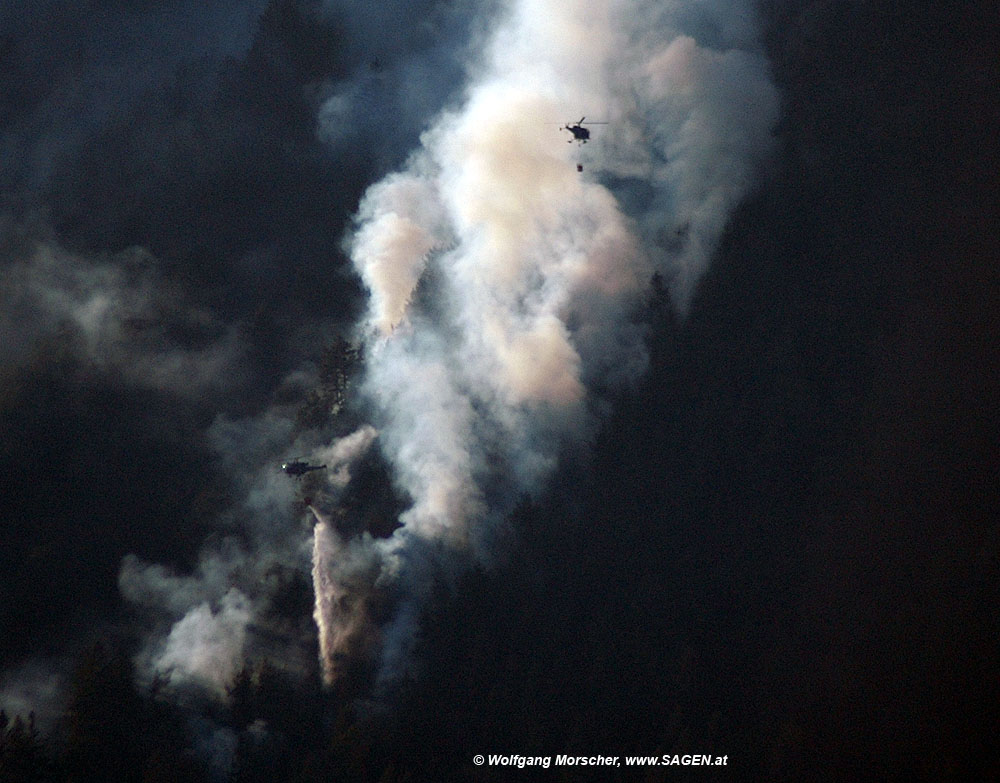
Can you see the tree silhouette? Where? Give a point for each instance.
(22, 756)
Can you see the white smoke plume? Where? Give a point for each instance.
(504, 284)
(205, 640)
(207, 644)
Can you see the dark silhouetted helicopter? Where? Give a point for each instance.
(580, 133)
(299, 468)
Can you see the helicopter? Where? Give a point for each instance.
(580, 133)
(298, 468)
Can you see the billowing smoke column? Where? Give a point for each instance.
(504, 283)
